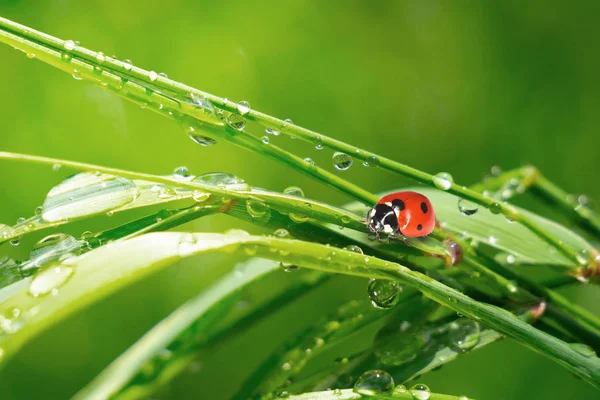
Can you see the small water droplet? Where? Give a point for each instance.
(127, 65)
(505, 259)
(400, 389)
(30, 55)
(181, 172)
(56, 167)
(583, 257)
(66, 57)
(243, 107)
(162, 75)
(283, 394)
(197, 138)
(53, 247)
(293, 191)
(200, 196)
(496, 208)
(512, 288)
(372, 161)
(420, 392)
(281, 233)
(467, 207)
(443, 180)
(152, 75)
(100, 57)
(257, 209)
(288, 267)
(354, 248)
(463, 397)
(38, 210)
(374, 383)
(286, 124)
(236, 121)
(342, 161)
(265, 139)
(463, 334)
(318, 143)
(583, 349)
(76, 75)
(69, 45)
(383, 294)
(337, 392)
(223, 180)
(310, 162)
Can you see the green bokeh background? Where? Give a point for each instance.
(439, 86)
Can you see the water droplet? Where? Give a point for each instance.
(463, 397)
(400, 389)
(492, 240)
(76, 75)
(512, 288)
(374, 383)
(223, 180)
(257, 209)
(293, 191)
(53, 247)
(202, 140)
(181, 172)
(467, 207)
(66, 57)
(50, 279)
(236, 121)
(341, 161)
(152, 75)
(90, 240)
(56, 167)
(420, 392)
(281, 233)
(337, 392)
(200, 196)
(496, 208)
(286, 124)
(243, 107)
(298, 218)
(505, 259)
(127, 65)
(30, 55)
(283, 394)
(162, 75)
(354, 248)
(443, 180)
(310, 162)
(398, 343)
(318, 143)
(87, 193)
(187, 244)
(383, 293)
(265, 139)
(372, 161)
(288, 267)
(69, 45)
(583, 349)
(100, 57)
(463, 334)
(583, 257)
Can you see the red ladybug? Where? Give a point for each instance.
(402, 213)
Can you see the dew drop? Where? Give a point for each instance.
(204, 141)
(318, 143)
(100, 57)
(66, 57)
(56, 167)
(505, 259)
(354, 248)
(152, 75)
(281, 233)
(293, 191)
(443, 180)
(400, 389)
(38, 210)
(53, 247)
(374, 383)
(288, 267)
(162, 75)
(496, 208)
(236, 121)
(583, 349)
(223, 180)
(200, 196)
(127, 65)
(384, 294)
(420, 392)
(243, 107)
(310, 162)
(286, 124)
(467, 207)
(257, 209)
(463, 334)
(181, 172)
(341, 161)
(50, 279)
(372, 161)
(76, 75)
(583, 257)
(69, 45)
(265, 139)
(87, 193)
(30, 55)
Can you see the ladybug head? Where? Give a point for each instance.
(382, 218)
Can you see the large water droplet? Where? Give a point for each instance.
(53, 247)
(50, 279)
(293, 191)
(374, 383)
(258, 209)
(69, 45)
(236, 121)
(383, 293)
(152, 75)
(372, 161)
(463, 334)
(223, 180)
(583, 349)
(399, 343)
(443, 180)
(467, 207)
(243, 107)
(420, 392)
(87, 193)
(342, 161)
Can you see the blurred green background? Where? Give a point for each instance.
(438, 86)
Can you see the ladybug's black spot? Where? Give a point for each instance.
(424, 207)
(399, 204)
(420, 227)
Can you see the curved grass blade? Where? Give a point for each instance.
(347, 394)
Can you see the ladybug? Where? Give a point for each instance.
(402, 213)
